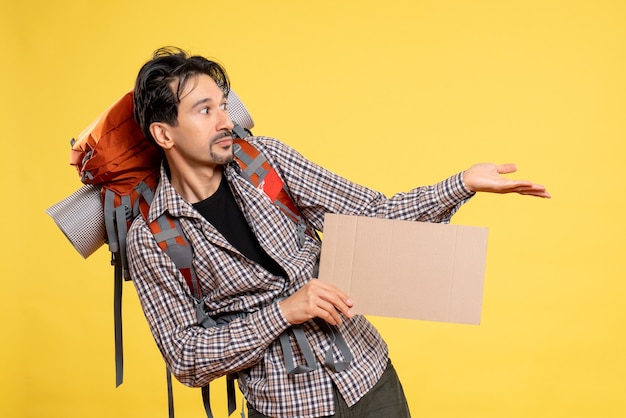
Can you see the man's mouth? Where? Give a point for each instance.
(224, 139)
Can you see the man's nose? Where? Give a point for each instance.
(225, 121)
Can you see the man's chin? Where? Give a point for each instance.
(224, 157)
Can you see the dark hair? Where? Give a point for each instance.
(156, 99)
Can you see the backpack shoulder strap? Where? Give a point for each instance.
(168, 234)
(170, 237)
(258, 171)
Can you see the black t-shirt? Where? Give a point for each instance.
(221, 210)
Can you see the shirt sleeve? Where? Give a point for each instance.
(194, 354)
(317, 191)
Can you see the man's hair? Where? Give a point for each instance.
(156, 97)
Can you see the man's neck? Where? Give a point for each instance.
(196, 185)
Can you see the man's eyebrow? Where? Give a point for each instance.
(201, 102)
(207, 100)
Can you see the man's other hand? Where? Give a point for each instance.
(486, 177)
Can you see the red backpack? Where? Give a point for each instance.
(113, 155)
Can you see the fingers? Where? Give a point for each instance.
(327, 302)
(317, 299)
(534, 190)
(328, 312)
(522, 187)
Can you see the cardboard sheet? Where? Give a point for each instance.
(405, 269)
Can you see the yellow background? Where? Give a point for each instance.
(391, 94)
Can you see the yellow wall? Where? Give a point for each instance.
(391, 94)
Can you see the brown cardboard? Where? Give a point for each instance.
(406, 269)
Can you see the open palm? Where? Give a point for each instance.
(487, 177)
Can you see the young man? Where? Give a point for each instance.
(249, 263)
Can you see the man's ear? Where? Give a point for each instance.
(161, 134)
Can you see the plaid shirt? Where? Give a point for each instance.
(233, 283)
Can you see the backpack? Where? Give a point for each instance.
(116, 162)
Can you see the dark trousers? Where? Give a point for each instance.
(385, 399)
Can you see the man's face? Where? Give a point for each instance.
(204, 131)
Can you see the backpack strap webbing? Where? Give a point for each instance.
(170, 393)
(117, 318)
(116, 216)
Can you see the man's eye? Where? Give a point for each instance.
(204, 110)
(223, 106)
